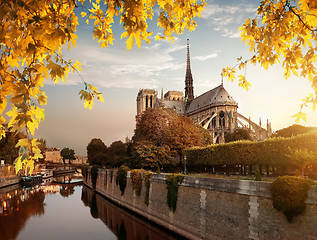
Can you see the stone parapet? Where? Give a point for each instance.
(209, 208)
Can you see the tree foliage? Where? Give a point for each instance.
(283, 31)
(32, 34)
(164, 127)
(68, 153)
(8, 152)
(293, 130)
(148, 156)
(238, 134)
(96, 152)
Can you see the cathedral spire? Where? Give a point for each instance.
(189, 88)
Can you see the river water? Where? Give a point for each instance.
(64, 211)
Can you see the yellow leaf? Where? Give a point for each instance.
(124, 35)
(299, 116)
(137, 37)
(77, 65)
(83, 14)
(92, 87)
(24, 142)
(129, 42)
(18, 164)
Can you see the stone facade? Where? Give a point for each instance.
(215, 109)
(214, 208)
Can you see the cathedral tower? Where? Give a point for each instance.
(189, 88)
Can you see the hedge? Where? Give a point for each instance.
(269, 152)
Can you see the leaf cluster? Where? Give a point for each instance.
(284, 32)
(175, 16)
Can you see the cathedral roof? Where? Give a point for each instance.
(216, 96)
(179, 106)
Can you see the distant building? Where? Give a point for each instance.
(53, 155)
(80, 160)
(214, 110)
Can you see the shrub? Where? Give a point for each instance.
(173, 181)
(273, 151)
(289, 194)
(136, 180)
(94, 175)
(147, 184)
(121, 178)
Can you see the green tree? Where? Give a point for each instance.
(148, 156)
(118, 148)
(68, 153)
(293, 130)
(97, 152)
(238, 134)
(33, 34)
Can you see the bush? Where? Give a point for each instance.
(147, 184)
(94, 175)
(136, 180)
(289, 195)
(173, 181)
(121, 178)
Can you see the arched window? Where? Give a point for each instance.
(213, 121)
(146, 102)
(222, 122)
(151, 101)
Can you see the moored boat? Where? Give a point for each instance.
(31, 180)
(47, 173)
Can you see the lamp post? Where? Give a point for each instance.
(185, 170)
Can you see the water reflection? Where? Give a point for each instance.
(55, 211)
(17, 206)
(123, 224)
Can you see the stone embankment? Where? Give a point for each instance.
(5, 182)
(210, 208)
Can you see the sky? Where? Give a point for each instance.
(119, 74)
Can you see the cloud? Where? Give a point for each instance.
(228, 18)
(204, 58)
(116, 68)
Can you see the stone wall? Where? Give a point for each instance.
(214, 208)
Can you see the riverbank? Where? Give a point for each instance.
(210, 208)
(9, 181)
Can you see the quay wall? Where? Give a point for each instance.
(210, 208)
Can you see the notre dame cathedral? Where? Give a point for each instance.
(214, 110)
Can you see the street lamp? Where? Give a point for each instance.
(185, 170)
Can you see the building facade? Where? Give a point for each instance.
(215, 110)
